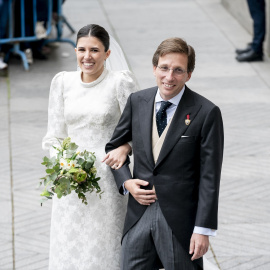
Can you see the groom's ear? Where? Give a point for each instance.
(189, 76)
(154, 70)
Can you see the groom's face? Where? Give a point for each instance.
(168, 74)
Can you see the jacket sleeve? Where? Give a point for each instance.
(122, 134)
(211, 155)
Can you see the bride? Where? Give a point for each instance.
(86, 106)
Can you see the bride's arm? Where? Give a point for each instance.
(126, 85)
(116, 158)
(57, 129)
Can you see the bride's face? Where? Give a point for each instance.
(90, 57)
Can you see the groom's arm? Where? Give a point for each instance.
(211, 155)
(122, 134)
(211, 151)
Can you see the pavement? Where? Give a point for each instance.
(241, 90)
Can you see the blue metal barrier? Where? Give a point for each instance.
(59, 26)
(15, 41)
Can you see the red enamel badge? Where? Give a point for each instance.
(187, 121)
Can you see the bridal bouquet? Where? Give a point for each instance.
(69, 170)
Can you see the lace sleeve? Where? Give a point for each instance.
(57, 129)
(127, 85)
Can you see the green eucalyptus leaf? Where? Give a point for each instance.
(73, 147)
(81, 161)
(57, 167)
(50, 171)
(58, 192)
(63, 185)
(45, 193)
(53, 176)
(88, 165)
(46, 159)
(69, 153)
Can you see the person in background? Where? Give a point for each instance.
(3, 29)
(254, 49)
(34, 49)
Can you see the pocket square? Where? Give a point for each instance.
(184, 136)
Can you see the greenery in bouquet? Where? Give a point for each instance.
(69, 170)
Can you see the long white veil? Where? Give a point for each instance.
(116, 60)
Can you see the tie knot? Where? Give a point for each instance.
(165, 105)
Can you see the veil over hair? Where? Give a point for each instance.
(116, 60)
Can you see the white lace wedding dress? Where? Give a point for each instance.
(87, 237)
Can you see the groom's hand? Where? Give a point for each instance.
(142, 196)
(199, 244)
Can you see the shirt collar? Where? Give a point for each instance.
(175, 100)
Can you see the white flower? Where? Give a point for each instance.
(63, 163)
(73, 163)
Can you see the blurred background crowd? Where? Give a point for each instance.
(26, 22)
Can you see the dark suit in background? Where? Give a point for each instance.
(257, 12)
(254, 50)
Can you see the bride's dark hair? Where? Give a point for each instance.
(97, 31)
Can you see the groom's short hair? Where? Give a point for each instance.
(175, 45)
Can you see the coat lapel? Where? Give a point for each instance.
(146, 120)
(178, 127)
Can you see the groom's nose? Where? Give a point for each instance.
(169, 75)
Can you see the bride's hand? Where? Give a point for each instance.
(116, 158)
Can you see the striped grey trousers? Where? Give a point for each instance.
(150, 238)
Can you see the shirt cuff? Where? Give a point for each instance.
(205, 231)
(125, 191)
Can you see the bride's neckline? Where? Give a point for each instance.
(97, 81)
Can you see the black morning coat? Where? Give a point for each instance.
(187, 173)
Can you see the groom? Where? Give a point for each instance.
(177, 138)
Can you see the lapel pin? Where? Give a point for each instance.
(187, 121)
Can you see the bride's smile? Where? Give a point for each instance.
(91, 55)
